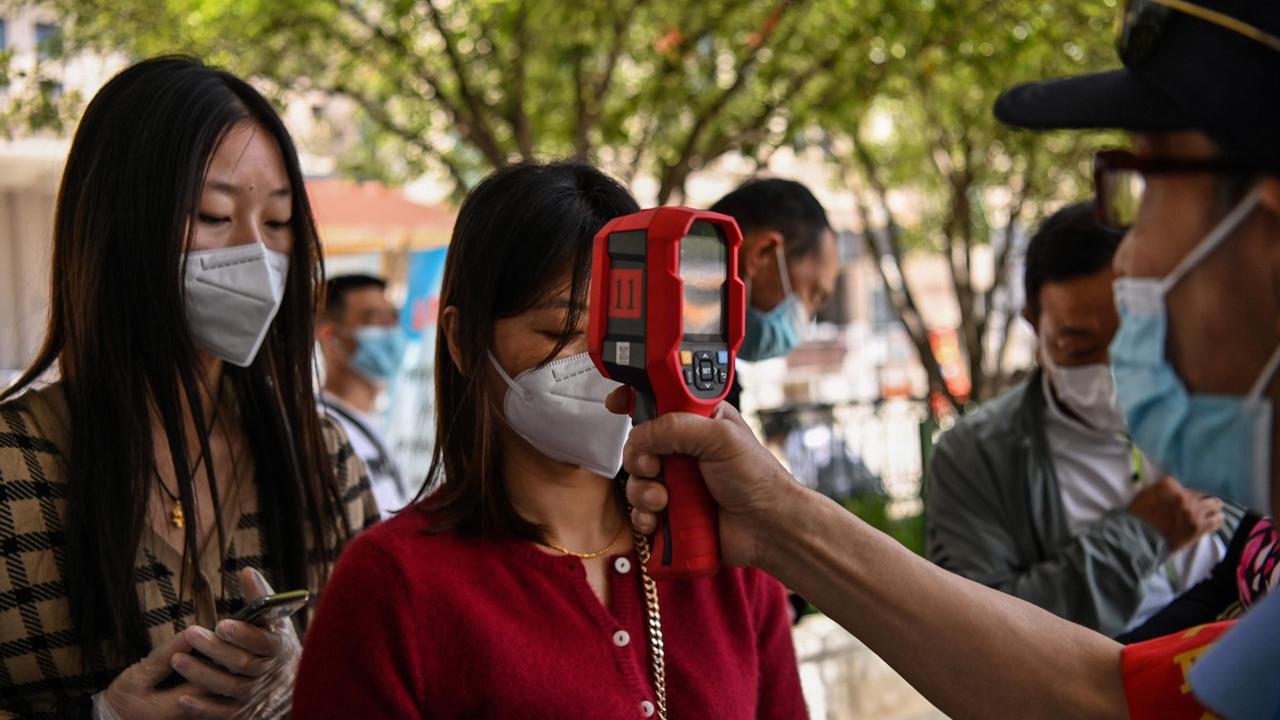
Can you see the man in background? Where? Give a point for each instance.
(360, 337)
(1041, 494)
(788, 261)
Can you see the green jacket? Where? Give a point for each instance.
(993, 513)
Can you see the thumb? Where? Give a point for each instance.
(725, 411)
(253, 585)
(156, 666)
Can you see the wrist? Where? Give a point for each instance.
(1156, 539)
(102, 708)
(779, 524)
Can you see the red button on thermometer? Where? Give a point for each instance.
(666, 317)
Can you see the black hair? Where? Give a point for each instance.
(336, 289)
(522, 234)
(785, 206)
(1071, 243)
(118, 332)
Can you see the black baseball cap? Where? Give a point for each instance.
(1208, 65)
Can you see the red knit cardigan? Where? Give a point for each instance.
(421, 625)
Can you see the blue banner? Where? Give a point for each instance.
(411, 415)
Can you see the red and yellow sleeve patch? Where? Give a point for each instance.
(1156, 672)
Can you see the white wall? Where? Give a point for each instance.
(30, 168)
(25, 230)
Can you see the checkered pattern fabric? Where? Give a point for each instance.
(40, 653)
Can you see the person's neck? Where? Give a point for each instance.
(353, 390)
(576, 507)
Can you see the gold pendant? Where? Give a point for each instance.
(176, 516)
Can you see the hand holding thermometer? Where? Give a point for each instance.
(667, 311)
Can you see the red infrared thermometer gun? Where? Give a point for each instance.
(666, 317)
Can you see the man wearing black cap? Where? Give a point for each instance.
(1195, 361)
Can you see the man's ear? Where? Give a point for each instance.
(759, 252)
(1031, 319)
(449, 326)
(325, 330)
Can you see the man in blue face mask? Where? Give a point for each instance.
(359, 334)
(1195, 363)
(788, 261)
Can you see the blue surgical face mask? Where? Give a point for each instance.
(379, 351)
(774, 333)
(1218, 444)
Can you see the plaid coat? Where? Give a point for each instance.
(40, 652)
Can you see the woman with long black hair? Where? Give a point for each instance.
(178, 459)
(518, 589)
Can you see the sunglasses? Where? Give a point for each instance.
(1144, 23)
(1120, 178)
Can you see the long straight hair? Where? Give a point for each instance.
(118, 332)
(520, 233)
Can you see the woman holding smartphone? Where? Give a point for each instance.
(517, 589)
(179, 452)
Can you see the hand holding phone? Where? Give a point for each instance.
(250, 663)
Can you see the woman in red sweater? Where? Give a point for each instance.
(516, 589)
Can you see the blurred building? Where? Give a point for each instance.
(36, 80)
(371, 228)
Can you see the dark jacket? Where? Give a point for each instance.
(994, 514)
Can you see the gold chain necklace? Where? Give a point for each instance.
(589, 555)
(657, 650)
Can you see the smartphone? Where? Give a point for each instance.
(266, 610)
(261, 612)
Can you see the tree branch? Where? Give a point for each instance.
(667, 68)
(517, 115)
(900, 296)
(472, 129)
(620, 25)
(581, 126)
(1003, 260)
(589, 109)
(674, 174)
(723, 142)
(415, 137)
(485, 139)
